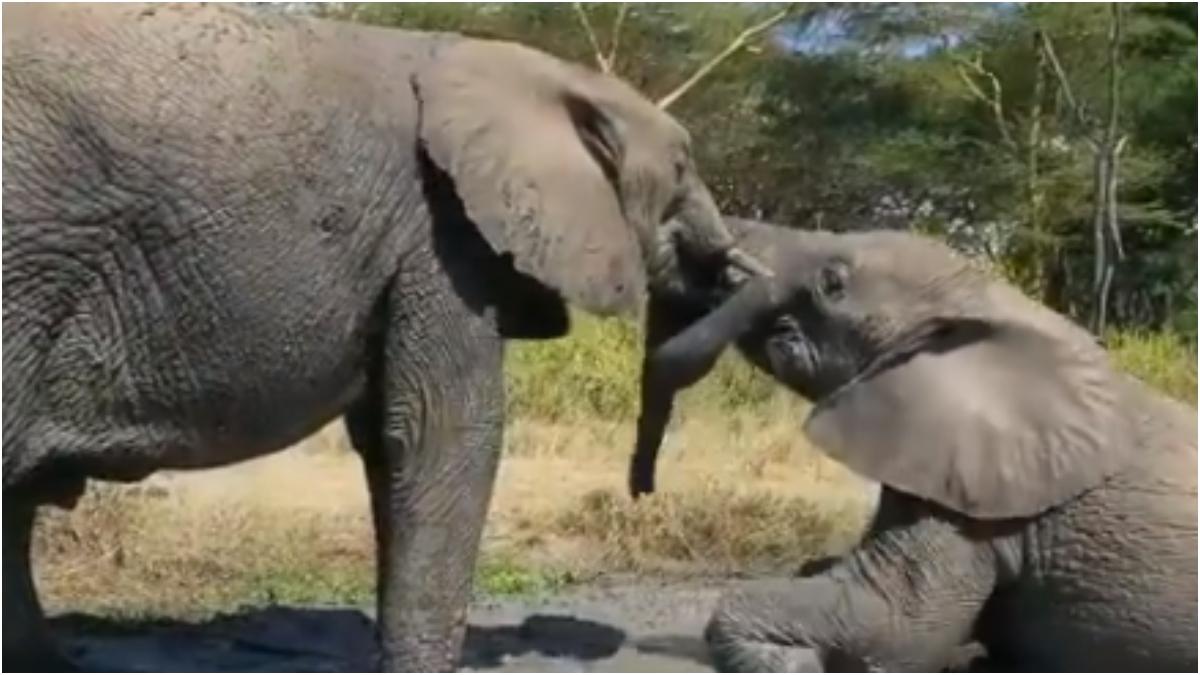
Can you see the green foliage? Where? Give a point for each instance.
(593, 373)
(659, 44)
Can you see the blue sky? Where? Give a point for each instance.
(829, 34)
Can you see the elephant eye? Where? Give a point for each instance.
(831, 281)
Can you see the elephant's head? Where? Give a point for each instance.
(569, 171)
(926, 373)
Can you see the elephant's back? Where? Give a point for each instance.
(166, 65)
(228, 118)
(1114, 571)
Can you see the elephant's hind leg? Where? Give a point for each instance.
(28, 645)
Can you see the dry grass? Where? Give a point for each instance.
(294, 527)
(733, 494)
(170, 550)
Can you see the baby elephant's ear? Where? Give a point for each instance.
(990, 419)
(533, 155)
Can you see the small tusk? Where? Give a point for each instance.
(744, 261)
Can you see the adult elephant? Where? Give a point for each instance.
(222, 230)
(1034, 499)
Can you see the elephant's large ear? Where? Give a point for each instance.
(991, 419)
(533, 156)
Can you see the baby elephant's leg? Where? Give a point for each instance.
(905, 599)
(794, 625)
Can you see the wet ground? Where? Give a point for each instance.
(610, 628)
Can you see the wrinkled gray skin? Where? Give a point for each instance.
(1034, 499)
(223, 230)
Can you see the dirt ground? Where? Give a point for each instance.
(616, 627)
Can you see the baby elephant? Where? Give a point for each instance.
(1035, 500)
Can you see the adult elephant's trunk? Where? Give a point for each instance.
(680, 350)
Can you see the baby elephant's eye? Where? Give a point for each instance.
(831, 282)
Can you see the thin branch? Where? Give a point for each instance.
(1064, 85)
(994, 102)
(601, 62)
(738, 42)
(1108, 149)
(616, 35)
(1114, 72)
(1112, 143)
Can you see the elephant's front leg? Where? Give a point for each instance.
(430, 433)
(906, 599)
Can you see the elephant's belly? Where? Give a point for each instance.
(240, 428)
(159, 402)
(1055, 634)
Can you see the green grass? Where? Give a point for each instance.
(593, 374)
(306, 583)
(1163, 360)
(505, 575)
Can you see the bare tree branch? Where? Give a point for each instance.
(1114, 74)
(1065, 85)
(601, 62)
(737, 43)
(616, 35)
(994, 102)
(1106, 225)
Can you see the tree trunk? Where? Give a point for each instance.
(1106, 231)
(1043, 256)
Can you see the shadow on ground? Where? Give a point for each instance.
(307, 639)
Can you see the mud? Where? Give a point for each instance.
(632, 627)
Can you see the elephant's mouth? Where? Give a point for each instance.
(793, 357)
(813, 367)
